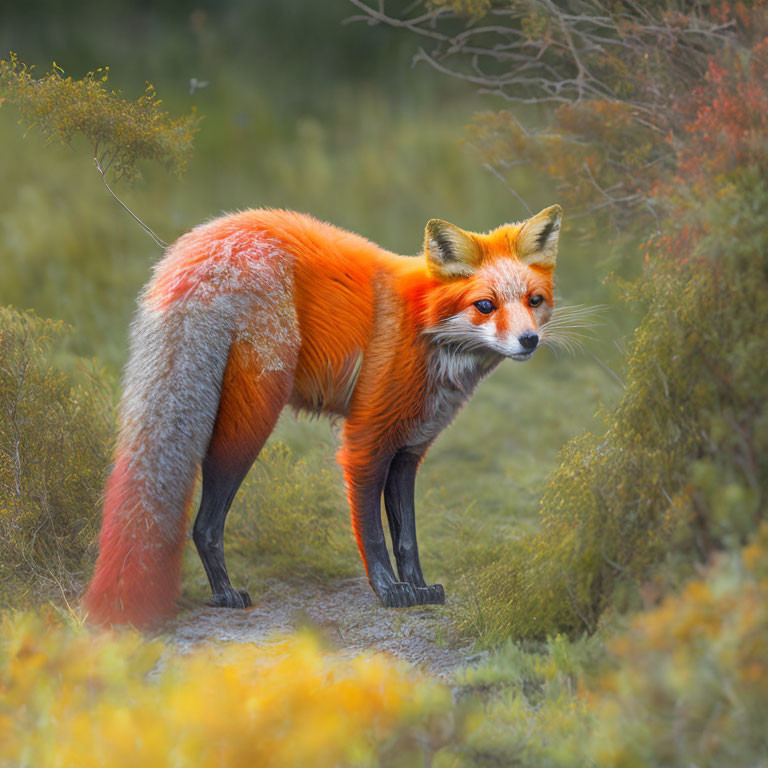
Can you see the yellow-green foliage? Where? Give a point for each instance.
(683, 465)
(525, 708)
(74, 699)
(121, 132)
(685, 683)
(690, 685)
(54, 446)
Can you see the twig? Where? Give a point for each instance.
(488, 167)
(146, 227)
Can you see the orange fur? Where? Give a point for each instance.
(251, 401)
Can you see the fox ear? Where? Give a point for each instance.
(451, 252)
(537, 238)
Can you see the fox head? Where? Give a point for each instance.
(493, 292)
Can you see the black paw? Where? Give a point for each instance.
(230, 598)
(435, 594)
(404, 595)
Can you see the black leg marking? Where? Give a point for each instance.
(208, 534)
(366, 517)
(366, 511)
(401, 514)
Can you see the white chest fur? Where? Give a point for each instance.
(452, 377)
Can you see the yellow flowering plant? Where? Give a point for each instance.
(69, 697)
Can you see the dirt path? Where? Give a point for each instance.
(345, 613)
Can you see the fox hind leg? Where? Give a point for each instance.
(251, 401)
(219, 489)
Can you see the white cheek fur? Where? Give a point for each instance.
(461, 333)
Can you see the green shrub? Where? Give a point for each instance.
(684, 683)
(55, 438)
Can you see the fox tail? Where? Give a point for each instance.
(171, 397)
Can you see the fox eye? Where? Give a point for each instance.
(484, 306)
(535, 300)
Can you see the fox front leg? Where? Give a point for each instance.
(365, 488)
(399, 494)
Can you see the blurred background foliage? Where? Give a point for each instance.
(598, 519)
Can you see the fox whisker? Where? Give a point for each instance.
(570, 326)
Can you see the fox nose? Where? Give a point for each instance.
(528, 341)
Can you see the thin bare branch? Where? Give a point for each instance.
(146, 227)
(634, 60)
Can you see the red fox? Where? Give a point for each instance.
(266, 308)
